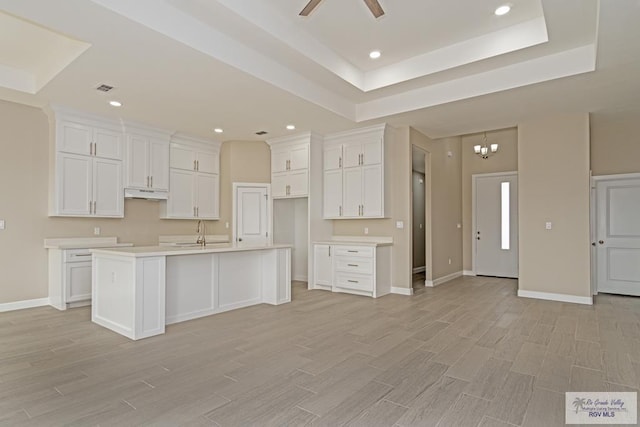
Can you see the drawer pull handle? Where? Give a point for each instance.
(353, 281)
(82, 255)
(352, 251)
(352, 265)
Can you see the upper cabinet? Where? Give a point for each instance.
(194, 179)
(147, 160)
(290, 166)
(86, 175)
(356, 184)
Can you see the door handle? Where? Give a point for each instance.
(478, 238)
(601, 242)
(239, 239)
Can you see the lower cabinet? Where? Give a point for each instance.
(69, 278)
(355, 269)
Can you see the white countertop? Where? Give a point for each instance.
(192, 238)
(373, 241)
(148, 251)
(84, 243)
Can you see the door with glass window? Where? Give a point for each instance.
(495, 231)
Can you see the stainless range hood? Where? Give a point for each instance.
(133, 193)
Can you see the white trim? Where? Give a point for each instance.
(468, 273)
(402, 291)
(301, 278)
(19, 305)
(443, 279)
(614, 177)
(234, 195)
(555, 297)
(419, 269)
(474, 177)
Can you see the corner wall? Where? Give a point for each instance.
(553, 185)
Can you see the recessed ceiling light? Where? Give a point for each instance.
(115, 103)
(374, 54)
(502, 10)
(291, 127)
(218, 130)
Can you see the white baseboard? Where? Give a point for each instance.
(19, 305)
(419, 269)
(468, 273)
(443, 279)
(555, 297)
(401, 291)
(300, 278)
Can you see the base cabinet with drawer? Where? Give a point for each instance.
(356, 269)
(69, 277)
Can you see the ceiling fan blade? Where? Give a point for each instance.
(375, 8)
(309, 7)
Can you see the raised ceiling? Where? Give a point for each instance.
(245, 65)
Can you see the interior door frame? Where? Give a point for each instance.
(593, 208)
(234, 217)
(474, 178)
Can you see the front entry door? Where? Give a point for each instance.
(495, 233)
(618, 236)
(252, 215)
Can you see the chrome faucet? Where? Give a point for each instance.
(201, 229)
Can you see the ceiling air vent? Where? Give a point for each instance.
(261, 132)
(104, 88)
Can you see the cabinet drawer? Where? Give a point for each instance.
(354, 265)
(356, 282)
(77, 255)
(357, 251)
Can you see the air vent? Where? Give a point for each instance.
(104, 88)
(261, 132)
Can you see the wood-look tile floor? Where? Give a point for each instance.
(467, 353)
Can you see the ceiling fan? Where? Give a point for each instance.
(373, 6)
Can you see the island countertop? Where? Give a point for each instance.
(152, 251)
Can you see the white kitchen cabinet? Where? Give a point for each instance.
(87, 178)
(78, 281)
(290, 167)
(353, 268)
(147, 162)
(324, 269)
(194, 181)
(195, 158)
(358, 186)
(81, 137)
(88, 186)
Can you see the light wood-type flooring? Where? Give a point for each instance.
(467, 353)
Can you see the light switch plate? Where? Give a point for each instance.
(96, 231)
(399, 224)
(1, 224)
(548, 225)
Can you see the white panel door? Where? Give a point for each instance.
(332, 158)
(78, 281)
(372, 152)
(618, 234)
(251, 215)
(279, 184)
(182, 157)
(352, 192)
(372, 190)
(74, 137)
(299, 157)
(75, 184)
(107, 188)
(496, 225)
(137, 162)
(181, 203)
(159, 164)
(208, 162)
(332, 202)
(323, 265)
(299, 183)
(279, 160)
(207, 188)
(108, 144)
(351, 153)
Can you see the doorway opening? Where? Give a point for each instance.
(419, 217)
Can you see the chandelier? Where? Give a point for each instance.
(485, 150)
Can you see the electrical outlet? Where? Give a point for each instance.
(399, 224)
(548, 225)
(449, 261)
(366, 230)
(226, 224)
(2, 224)
(96, 231)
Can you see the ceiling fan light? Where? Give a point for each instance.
(494, 148)
(476, 149)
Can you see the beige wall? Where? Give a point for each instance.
(505, 160)
(615, 144)
(24, 142)
(553, 185)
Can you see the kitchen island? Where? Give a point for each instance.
(139, 290)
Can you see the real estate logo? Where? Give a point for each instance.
(601, 408)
